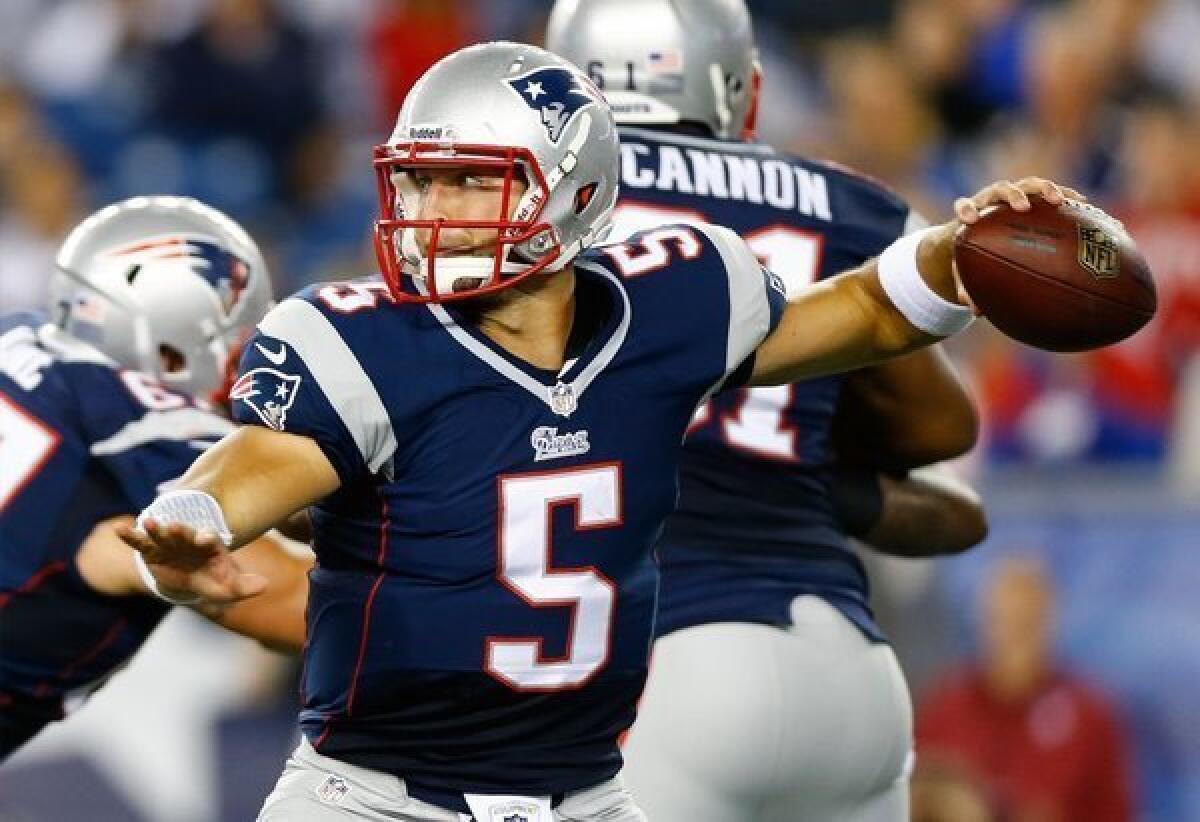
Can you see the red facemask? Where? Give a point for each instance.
(513, 229)
(750, 127)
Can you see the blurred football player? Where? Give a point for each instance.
(98, 410)
(490, 442)
(773, 694)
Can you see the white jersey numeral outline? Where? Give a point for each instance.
(26, 443)
(759, 425)
(653, 250)
(524, 566)
(151, 393)
(346, 298)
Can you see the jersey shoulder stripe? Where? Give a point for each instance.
(338, 373)
(195, 426)
(751, 313)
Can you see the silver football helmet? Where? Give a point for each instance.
(513, 112)
(662, 62)
(165, 285)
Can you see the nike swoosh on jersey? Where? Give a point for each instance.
(276, 357)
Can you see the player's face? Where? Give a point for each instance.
(464, 194)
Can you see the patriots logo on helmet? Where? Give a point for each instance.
(225, 271)
(557, 94)
(269, 392)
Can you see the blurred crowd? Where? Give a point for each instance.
(268, 110)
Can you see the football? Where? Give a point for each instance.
(1059, 278)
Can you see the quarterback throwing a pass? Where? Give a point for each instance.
(490, 441)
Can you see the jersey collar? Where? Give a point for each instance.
(563, 395)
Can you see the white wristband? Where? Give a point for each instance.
(186, 507)
(912, 296)
(151, 583)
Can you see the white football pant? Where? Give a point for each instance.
(318, 788)
(752, 723)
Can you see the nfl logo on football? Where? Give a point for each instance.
(1098, 252)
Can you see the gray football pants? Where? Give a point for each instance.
(316, 788)
(750, 723)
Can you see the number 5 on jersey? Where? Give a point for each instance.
(527, 503)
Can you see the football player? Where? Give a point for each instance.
(490, 439)
(773, 693)
(99, 410)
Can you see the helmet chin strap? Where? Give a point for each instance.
(559, 173)
(458, 274)
(453, 274)
(143, 345)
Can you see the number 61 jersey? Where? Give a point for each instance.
(482, 606)
(755, 527)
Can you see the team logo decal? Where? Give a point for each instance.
(562, 399)
(1098, 252)
(225, 271)
(548, 444)
(269, 392)
(515, 812)
(494, 808)
(555, 93)
(333, 790)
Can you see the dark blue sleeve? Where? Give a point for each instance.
(288, 398)
(776, 296)
(705, 301)
(754, 299)
(144, 434)
(300, 376)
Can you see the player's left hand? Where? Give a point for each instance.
(187, 562)
(1013, 194)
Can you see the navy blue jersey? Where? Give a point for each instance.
(755, 527)
(80, 441)
(481, 609)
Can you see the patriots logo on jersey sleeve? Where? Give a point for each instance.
(555, 93)
(269, 392)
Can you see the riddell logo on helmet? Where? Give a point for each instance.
(557, 94)
(427, 132)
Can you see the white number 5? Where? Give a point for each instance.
(527, 503)
(25, 445)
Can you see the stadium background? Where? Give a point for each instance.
(268, 110)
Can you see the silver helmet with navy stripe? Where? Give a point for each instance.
(664, 62)
(515, 113)
(165, 285)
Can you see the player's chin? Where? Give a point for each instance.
(464, 285)
(479, 302)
